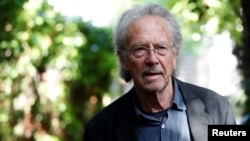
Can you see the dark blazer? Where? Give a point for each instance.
(118, 121)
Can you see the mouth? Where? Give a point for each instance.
(151, 75)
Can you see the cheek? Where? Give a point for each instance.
(168, 64)
(134, 66)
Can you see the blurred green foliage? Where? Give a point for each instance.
(52, 70)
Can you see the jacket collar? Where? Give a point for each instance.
(198, 119)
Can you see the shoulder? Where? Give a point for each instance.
(113, 111)
(206, 95)
(107, 120)
(209, 101)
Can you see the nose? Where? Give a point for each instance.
(152, 56)
(151, 49)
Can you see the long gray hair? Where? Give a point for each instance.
(137, 12)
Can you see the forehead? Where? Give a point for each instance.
(149, 28)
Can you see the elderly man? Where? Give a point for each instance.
(159, 107)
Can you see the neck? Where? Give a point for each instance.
(155, 102)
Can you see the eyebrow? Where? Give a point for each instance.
(146, 44)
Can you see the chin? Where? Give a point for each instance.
(154, 89)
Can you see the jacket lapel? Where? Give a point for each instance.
(197, 118)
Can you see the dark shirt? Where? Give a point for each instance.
(168, 125)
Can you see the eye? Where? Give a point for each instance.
(140, 49)
(161, 48)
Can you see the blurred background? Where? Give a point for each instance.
(57, 66)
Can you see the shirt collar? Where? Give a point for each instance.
(178, 99)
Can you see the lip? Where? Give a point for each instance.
(151, 75)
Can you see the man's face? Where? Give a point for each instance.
(152, 71)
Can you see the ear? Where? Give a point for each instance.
(123, 60)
